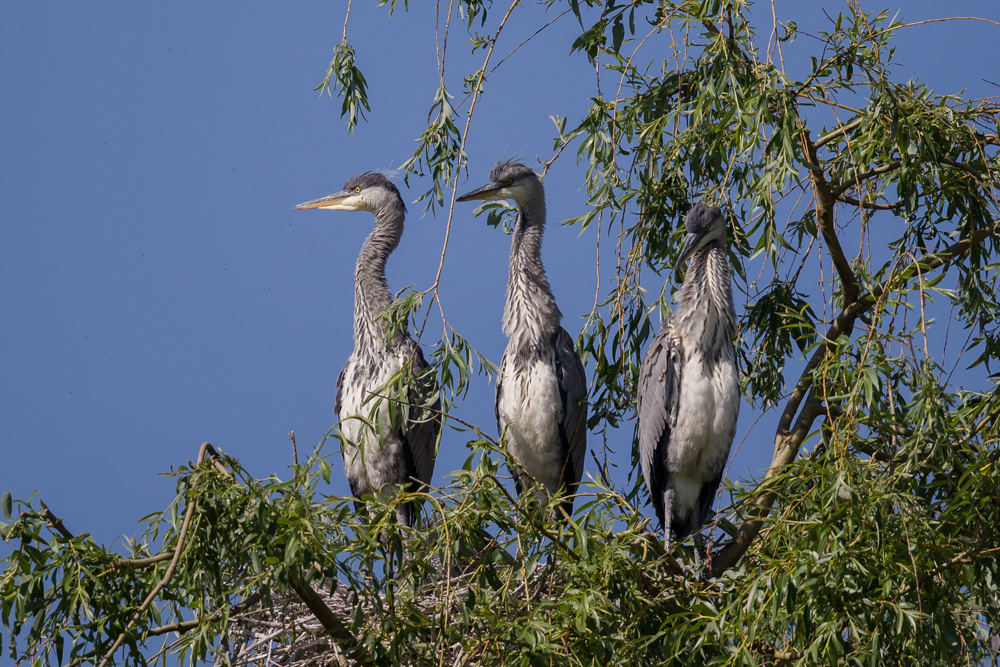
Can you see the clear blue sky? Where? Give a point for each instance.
(158, 289)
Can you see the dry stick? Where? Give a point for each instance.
(180, 627)
(181, 536)
(335, 628)
(789, 437)
(295, 451)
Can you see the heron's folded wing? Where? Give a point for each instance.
(573, 393)
(424, 426)
(656, 407)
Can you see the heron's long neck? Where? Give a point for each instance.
(706, 300)
(371, 291)
(531, 311)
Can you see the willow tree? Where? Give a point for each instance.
(866, 205)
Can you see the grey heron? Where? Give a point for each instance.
(689, 390)
(541, 395)
(387, 448)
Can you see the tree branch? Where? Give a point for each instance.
(825, 202)
(838, 190)
(777, 654)
(335, 628)
(55, 522)
(788, 438)
(180, 627)
(870, 205)
(144, 562)
(840, 131)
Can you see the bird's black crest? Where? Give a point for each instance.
(511, 168)
(701, 217)
(373, 179)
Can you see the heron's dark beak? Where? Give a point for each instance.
(328, 201)
(485, 192)
(691, 244)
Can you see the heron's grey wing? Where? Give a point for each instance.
(501, 371)
(421, 431)
(339, 401)
(573, 393)
(656, 410)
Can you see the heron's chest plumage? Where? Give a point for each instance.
(706, 423)
(371, 446)
(530, 408)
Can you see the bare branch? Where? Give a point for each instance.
(842, 130)
(180, 627)
(870, 205)
(144, 562)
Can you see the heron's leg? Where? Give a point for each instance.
(668, 509)
(699, 545)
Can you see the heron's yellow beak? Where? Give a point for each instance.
(345, 200)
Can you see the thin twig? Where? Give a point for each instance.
(871, 205)
(347, 15)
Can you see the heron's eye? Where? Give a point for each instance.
(510, 181)
(357, 188)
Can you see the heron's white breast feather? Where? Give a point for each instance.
(531, 409)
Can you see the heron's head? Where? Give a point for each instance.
(371, 191)
(704, 224)
(509, 179)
